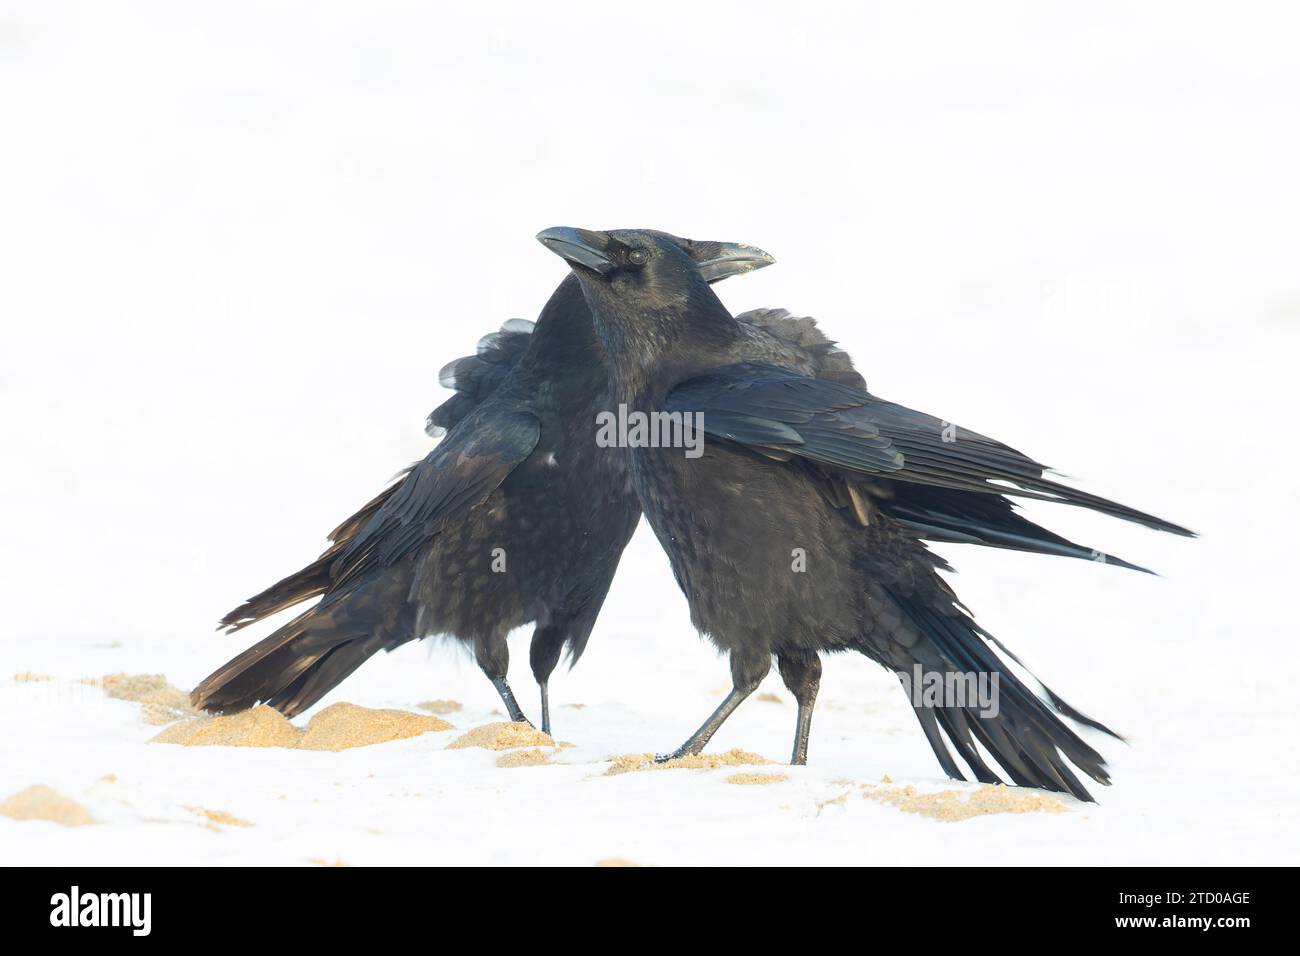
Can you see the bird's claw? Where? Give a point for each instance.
(675, 755)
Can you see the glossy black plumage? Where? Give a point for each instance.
(517, 516)
(848, 485)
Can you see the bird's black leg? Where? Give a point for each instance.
(546, 707)
(493, 658)
(802, 674)
(747, 672)
(544, 654)
(508, 698)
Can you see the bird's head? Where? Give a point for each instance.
(638, 256)
(649, 290)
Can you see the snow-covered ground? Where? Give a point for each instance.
(237, 244)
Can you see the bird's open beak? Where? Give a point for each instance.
(584, 247)
(733, 259)
(587, 247)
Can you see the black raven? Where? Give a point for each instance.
(798, 529)
(517, 516)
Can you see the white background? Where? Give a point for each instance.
(238, 241)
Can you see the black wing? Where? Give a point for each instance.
(475, 377)
(851, 431)
(315, 579)
(779, 338)
(452, 479)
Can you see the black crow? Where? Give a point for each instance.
(517, 516)
(798, 529)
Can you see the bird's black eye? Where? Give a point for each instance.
(638, 257)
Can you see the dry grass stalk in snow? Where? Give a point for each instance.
(39, 802)
(218, 816)
(616, 861)
(952, 806)
(505, 735)
(27, 677)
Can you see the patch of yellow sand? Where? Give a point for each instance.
(768, 698)
(338, 727)
(343, 726)
(27, 677)
(757, 779)
(218, 816)
(839, 801)
(319, 861)
(616, 861)
(39, 802)
(952, 806)
(503, 736)
(524, 758)
(440, 706)
(161, 703)
(260, 726)
(626, 763)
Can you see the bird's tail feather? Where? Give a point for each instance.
(1020, 731)
(326, 673)
(313, 580)
(299, 663)
(283, 669)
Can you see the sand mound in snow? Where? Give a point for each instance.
(951, 806)
(43, 803)
(626, 763)
(503, 736)
(260, 726)
(160, 701)
(524, 758)
(441, 706)
(340, 726)
(343, 726)
(757, 779)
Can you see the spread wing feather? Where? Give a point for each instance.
(851, 431)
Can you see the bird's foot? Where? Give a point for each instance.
(677, 754)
